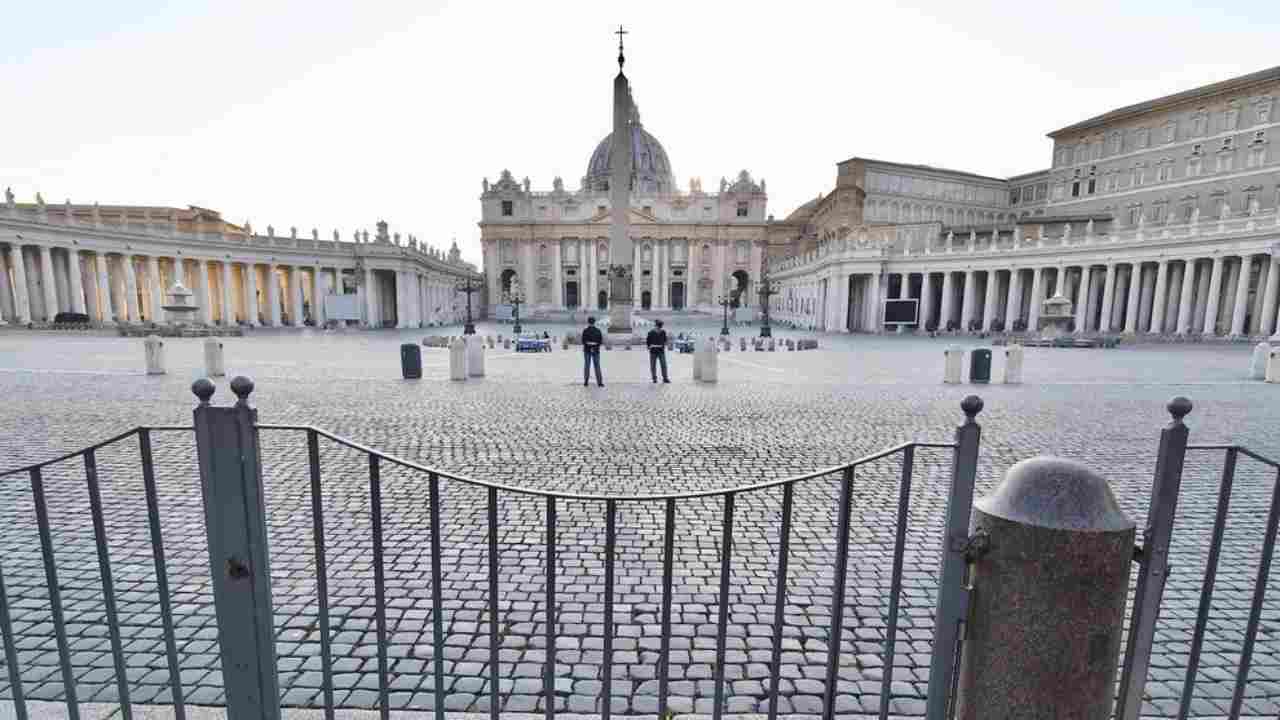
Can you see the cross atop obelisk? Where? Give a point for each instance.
(621, 59)
(621, 160)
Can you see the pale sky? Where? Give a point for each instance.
(338, 114)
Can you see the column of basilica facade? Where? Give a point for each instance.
(117, 265)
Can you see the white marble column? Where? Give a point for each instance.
(1118, 300)
(948, 299)
(1082, 301)
(1033, 306)
(1268, 324)
(1242, 296)
(7, 313)
(77, 280)
(1013, 299)
(1159, 300)
(1211, 305)
(319, 291)
(968, 301)
(1226, 301)
(1108, 289)
(105, 305)
(47, 281)
(273, 295)
(371, 299)
(295, 292)
(557, 275)
(204, 291)
(130, 288)
(1264, 274)
(1131, 307)
(989, 302)
(1188, 290)
(251, 303)
(926, 297)
(155, 285)
(21, 287)
(718, 270)
(874, 306)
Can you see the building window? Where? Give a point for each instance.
(1139, 176)
(1259, 136)
(1170, 131)
(1157, 213)
(1228, 143)
(1013, 196)
(507, 208)
(1264, 109)
(1164, 172)
(742, 209)
(1197, 149)
(1187, 211)
(1144, 137)
(1198, 122)
(600, 209)
(1042, 190)
(1135, 214)
(1115, 142)
(1226, 162)
(1257, 156)
(1194, 167)
(1231, 117)
(648, 209)
(1075, 189)
(1092, 185)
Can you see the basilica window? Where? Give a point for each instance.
(1231, 118)
(1257, 156)
(1199, 122)
(542, 255)
(507, 208)
(1135, 214)
(1144, 137)
(648, 253)
(1157, 213)
(742, 209)
(1014, 195)
(1194, 166)
(1164, 171)
(1188, 210)
(1041, 191)
(1264, 109)
(1226, 162)
(1170, 131)
(1115, 142)
(647, 209)
(1228, 143)
(706, 254)
(600, 209)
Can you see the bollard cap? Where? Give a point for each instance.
(1056, 493)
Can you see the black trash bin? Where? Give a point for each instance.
(411, 361)
(980, 366)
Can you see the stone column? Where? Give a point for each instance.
(1131, 307)
(1148, 290)
(46, 279)
(1013, 299)
(989, 302)
(371, 299)
(130, 288)
(1037, 293)
(1158, 303)
(35, 297)
(106, 306)
(718, 268)
(926, 297)
(1188, 292)
(6, 298)
(1211, 305)
(948, 300)
(967, 302)
(1242, 296)
(1264, 274)
(1268, 324)
(204, 293)
(251, 293)
(1171, 304)
(273, 295)
(155, 285)
(21, 289)
(1118, 300)
(295, 292)
(1082, 301)
(557, 280)
(228, 311)
(77, 281)
(1108, 288)
(319, 291)
(874, 307)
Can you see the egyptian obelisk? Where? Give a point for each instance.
(621, 159)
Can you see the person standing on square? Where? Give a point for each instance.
(657, 342)
(592, 339)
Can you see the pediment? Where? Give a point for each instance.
(635, 217)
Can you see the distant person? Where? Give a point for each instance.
(592, 338)
(657, 342)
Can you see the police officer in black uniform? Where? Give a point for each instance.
(657, 342)
(592, 339)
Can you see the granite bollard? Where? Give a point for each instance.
(153, 346)
(710, 362)
(457, 360)
(953, 364)
(1258, 366)
(1273, 367)
(475, 356)
(1050, 584)
(1013, 365)
(214, 364)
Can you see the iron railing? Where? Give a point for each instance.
(230, 470)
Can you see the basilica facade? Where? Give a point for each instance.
(1159, 218)
(691, 248)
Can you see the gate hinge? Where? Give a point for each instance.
(972, 547)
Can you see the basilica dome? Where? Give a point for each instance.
(652, 171)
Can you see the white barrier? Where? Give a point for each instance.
(457, 360)
(154, 348)
(954, 364)
(1273, 367)
(710, 362)
(1013, 365)
(475, 356)
(1261, 356)
(214, 364)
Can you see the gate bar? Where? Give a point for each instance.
(610, 532)
(162, 574)
(1259, 592)
(839, 577)
(437, 603)
(1210, 577)
(668, 560)
(895, 585)
(55, 594)
(722, 625)
(494, 656)
(108, 586)
(379, 584)
(1153, 572)
(11, 654)
(780, 600)
(322, 572)
(549, 669)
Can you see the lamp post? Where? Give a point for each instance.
(725, 301)
(767, 288)
(515, 297)
(466, 285)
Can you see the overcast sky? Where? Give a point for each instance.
(337, 114)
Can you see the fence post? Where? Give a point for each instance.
(235, 522)
(1155, 560)
(953, 598)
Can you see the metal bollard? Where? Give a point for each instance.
(1050, 583)
(475, 357)
(953, 362)
(154, 348)
(1273, 367)
(710, 362)
(1013, 365)
(457, 360)
(980, 366)
(1258, 366)
(214, 366)
(410, 361)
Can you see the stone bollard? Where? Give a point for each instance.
(491, 343)
(154, 348)
(953, 364)
(1013, 365)
(772, 345)
(1046, 612)
(506, 344)
(698, 351)
(565, 345)
(475, 357)
(213, 360)
(742, 344)
(710, 363)
(1261, 356)
(1273, 367)
(791, 344)
(457, 360)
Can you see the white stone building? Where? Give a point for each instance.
(1158, 218)
(690, 248)
(117, 264)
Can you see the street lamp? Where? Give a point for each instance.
(725, 301)
(767, 288)
(515, 298)
(468, 286)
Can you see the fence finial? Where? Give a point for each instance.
(1178, 408)
(242, 386)
(971, 405)
(203, 389)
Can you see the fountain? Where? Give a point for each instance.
(181, 312)
(1055, 318)
(180, 315)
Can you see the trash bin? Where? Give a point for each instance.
(411, 361)
(980, 366)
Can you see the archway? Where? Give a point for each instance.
(571, 294)
(602, 300)
(738, 295)
(677, 296)
(508, 276)
(646, 300)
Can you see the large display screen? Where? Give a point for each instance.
(902, 312)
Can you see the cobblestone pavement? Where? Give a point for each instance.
(531, 424)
